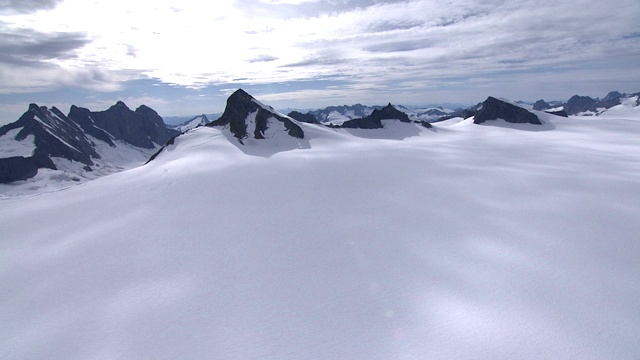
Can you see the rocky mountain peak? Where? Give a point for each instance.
(541, 105)
(493, 109)
(248, 118)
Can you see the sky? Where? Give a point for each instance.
(185, 57)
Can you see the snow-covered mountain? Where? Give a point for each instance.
(45, 146)
(585, 105)
(336, 115)
(378, 119)
(463, 241)
(192, 123)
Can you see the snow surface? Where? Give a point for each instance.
(70, 173)
(10, 147)
(461, 242)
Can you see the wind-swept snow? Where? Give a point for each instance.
(11, 147)
(461, 242)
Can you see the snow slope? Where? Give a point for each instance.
(70, 173)
(459, 242)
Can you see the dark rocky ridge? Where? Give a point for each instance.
(374, 121)
(58, 135)
(83, 118)
(558, 113)
(541, 105)
(358, 110)
(17, 168)
(54, 134)
(305, 118)
(577, 104)
(141, 127)
(239, 106)
(493, 109)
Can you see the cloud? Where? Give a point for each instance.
(415, 45)
(28, 47)
(27, 6)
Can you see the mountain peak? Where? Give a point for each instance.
(248, 118)
(493, 109)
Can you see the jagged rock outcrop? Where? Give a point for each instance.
(578, 104)
(248, 118)
(142, 127)
(558, 113)
(305, 118)
(349, 112)
(82, 117)
(541, 105)
(55, 135)
(374, 121)
(493, 109)
(17, 168)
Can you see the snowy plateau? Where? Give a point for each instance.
(458, 241)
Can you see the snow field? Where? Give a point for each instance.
(464, 241)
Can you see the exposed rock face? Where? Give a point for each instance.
(389, 112)
(493, 109)
(558, 113)
(578, 104)
(141, 128)
(356, 111)
(82, 117)
(57, 135)
(541, 105)
(54, 134)
(243, 110)
(305, 118)
(361, 123)
(374, 121)
(17, 168)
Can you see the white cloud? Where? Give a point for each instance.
(194, 43)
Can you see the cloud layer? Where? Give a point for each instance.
(371, 48)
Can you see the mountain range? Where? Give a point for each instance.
(87, 144)
(79, 143)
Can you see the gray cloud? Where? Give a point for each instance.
(27, 6)
(28, 47)
(263, 58)
(398, 46)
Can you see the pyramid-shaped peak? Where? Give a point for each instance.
(240, 95)
(121, 103)
(390, 112)
(249, 118)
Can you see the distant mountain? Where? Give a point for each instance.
(306, 118)
(338, 114)
(253, 127)
(541, 105)
(585, 105)
(374, 120)
(247, 118)
(192, 123)
(47, 138)
(142, 127)
(460, 113)
(493, 109)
